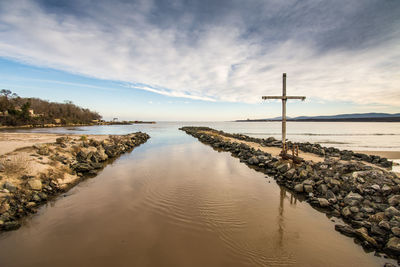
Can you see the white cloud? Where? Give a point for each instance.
(218, 65)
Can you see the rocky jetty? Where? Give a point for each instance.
(61, 165)
(353, 187)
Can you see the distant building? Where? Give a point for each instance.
(57, 121)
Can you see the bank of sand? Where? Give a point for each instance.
(14, 141)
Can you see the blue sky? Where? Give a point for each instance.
(203, 60)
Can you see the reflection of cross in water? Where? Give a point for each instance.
(281, 221)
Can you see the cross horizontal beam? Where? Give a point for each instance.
(284, 97)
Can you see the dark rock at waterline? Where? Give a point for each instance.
(345, 229)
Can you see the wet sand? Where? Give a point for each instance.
(177, 202)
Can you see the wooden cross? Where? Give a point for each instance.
(284, 98)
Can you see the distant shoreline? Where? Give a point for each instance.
(395, 119)
(73, 125)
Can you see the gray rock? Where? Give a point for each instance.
(323, 202)
(322, 188)
(299, 188)
(391, 211)
(2, 168)
(352, 198)
(253, 160)
(10, 187)
(308, 188)
(35, 184)
(284, 167)
(376, 187)
(289, 174)
(386, 189)
(345, 229)
(393, 245)
(362, 233)
(303, 174)
(384, 225)
(394, 200)
(354, 209)
(346, 212)
(376, 230)
(396, 231)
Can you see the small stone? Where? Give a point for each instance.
(346, 212)
(384, 225)
(10, 187)
(352, 199)
(2, 168)
(396, 231)
(391, 211)
(363, 234)
(322, 188)
(345, 229)
(394, 200)
(298, 188)
(303, 174)
(35, 184)
(30, 204)
(284, 167)
(308, 188)
(376, 187)
(4, 207)
(354, 209)
(393, 245)
(323, 202)
(360, 180)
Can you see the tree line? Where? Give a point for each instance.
(17, 111)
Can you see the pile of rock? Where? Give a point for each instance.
(79, 158)
(366, 198)
(306, 147)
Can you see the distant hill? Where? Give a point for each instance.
(373, 117)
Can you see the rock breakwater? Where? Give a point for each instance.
(353, 187)
(31, 176)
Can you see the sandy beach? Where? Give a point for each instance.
(12, 141)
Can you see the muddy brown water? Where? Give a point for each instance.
(176, 202)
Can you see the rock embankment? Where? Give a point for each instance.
(33, 175)
(365, 196)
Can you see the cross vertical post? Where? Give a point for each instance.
(284, 99)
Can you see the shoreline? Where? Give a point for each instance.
(72, 125)
(36, 167)
(351, 186)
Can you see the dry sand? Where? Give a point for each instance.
(12, 141)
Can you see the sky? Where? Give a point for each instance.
(204, 60)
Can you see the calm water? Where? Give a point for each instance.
(176, 202)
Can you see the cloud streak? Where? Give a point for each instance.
(225, 51)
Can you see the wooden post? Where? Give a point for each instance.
(284, 112)
(284, 99)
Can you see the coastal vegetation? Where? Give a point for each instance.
(19, 111)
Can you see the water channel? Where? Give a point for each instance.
(176, 202)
